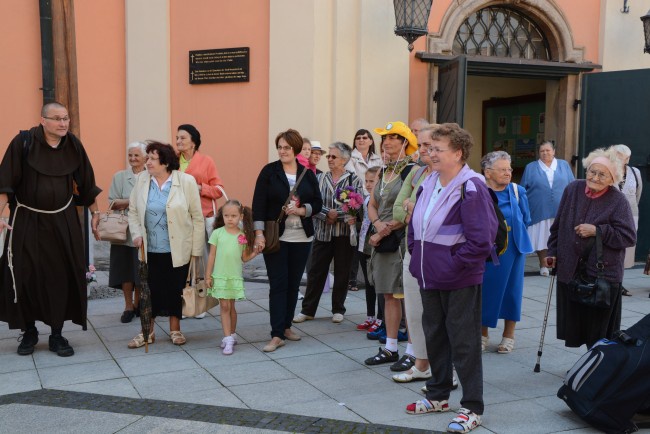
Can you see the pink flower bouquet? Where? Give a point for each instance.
(351, 202)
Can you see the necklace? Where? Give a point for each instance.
(396, 168)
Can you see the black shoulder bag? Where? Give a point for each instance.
(584, 290)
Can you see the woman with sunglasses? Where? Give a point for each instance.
(385, 266)
(332, 238)
(364, 156)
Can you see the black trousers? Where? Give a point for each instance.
(284, 268)
(452, 328)
(371, 295)
(322, 253)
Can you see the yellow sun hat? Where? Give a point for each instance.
(403, 130)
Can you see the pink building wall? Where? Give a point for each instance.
(231, 117)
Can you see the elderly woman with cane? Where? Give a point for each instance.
(592, 211)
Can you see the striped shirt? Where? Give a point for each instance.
(325, 232)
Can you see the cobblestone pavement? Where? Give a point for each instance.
(319, 384)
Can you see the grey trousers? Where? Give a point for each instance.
(452, 327)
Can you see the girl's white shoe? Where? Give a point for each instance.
(228, 344)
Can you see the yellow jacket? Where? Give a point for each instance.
(184, 216)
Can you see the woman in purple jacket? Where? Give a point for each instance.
(449, 239)
(587, 206)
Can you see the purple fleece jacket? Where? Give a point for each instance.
(449, 250)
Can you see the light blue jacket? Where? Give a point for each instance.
(544, 201)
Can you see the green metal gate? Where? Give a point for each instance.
(615, 109)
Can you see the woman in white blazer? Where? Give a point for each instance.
(165, 216)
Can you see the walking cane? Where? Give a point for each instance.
(548, 306)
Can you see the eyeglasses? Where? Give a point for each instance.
(284, 148)
(504, 171)
(331, 157)
(602, 176)
(58, 119)
(436, 150)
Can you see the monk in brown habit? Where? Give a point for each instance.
(42, 272)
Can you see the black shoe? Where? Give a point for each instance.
(136, 309)
(127, 316)
(625, 292)
(403, 364)
(28, 341)
(60, 346)
(383, 356)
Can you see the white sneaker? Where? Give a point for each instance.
(301, 317)
(543, 271)
(227, 344)
(337, 318)
(233, 336)
(200, 316)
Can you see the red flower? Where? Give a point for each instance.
(242, 239)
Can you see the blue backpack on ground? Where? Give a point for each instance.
(611, 382)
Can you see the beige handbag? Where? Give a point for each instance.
(113, 226)
(195, 295)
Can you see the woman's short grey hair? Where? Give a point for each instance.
(623, 150)
(612, 155)
(142, 146)
(488, 160)
(345, 150)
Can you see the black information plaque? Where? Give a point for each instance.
(219, 65)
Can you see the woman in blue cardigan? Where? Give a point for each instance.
(503, 283)
(544, 181)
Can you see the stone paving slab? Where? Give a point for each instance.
(322, 376)
(19, 418)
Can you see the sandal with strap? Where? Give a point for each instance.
(383, 356)
(485, 340)
(506, 346)
(404, 364)
(465, 421)
(138, 341)
(177, 337)
(424, 406)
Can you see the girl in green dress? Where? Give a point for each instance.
(231, 244)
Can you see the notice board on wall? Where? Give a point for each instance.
(219, 65)
(515, 125)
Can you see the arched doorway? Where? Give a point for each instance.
(509, 72)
